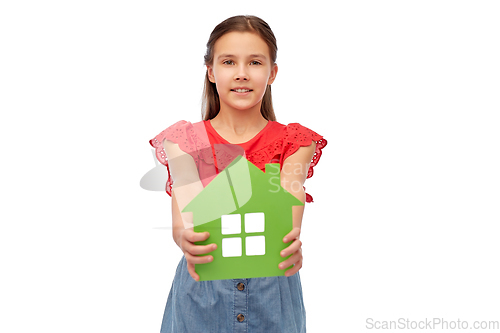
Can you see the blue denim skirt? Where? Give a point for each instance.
(256, 305)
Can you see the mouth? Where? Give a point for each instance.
(241, 90)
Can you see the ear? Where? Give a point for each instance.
(210, 73)
(272, 76)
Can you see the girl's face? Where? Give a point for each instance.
(241, 60)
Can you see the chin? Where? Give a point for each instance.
(241, 107)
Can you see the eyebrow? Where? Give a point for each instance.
(257, 55)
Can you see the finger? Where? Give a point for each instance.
(294, 259)
(191, 259)
(192, 272)
(294, 247)
(295, 233)
(193, 236)
(294, 269)
(198, 249)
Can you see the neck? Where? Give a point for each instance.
(239, 121)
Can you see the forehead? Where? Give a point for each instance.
(240, 44)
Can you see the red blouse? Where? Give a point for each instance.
(212, 153)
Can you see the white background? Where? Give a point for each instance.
(405, 222)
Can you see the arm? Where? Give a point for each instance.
(186, 185)
(293, 175)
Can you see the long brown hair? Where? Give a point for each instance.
(242, 23)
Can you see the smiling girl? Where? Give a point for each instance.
(238, 119)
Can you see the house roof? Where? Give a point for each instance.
(239, 184)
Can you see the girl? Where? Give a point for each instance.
(238, 119)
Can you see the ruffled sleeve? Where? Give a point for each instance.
(297, 136)
(181, 133)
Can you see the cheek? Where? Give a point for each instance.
(220, 75)
(262, 77)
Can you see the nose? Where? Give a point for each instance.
(241, 73)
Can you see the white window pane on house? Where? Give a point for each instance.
(255, 245)
(230, 224)
(254, 222)
(231, 247)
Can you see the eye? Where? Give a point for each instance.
(227, 61)
(255, 62)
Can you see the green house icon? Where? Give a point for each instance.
(247, 213)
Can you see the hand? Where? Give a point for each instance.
(295, 249)
(186, 243)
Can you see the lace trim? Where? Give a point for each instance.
(295, 137)
(298, 136)
(182, 133)
(162, 157)
(266, 154)
(320, 144)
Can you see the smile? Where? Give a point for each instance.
(241, 90)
